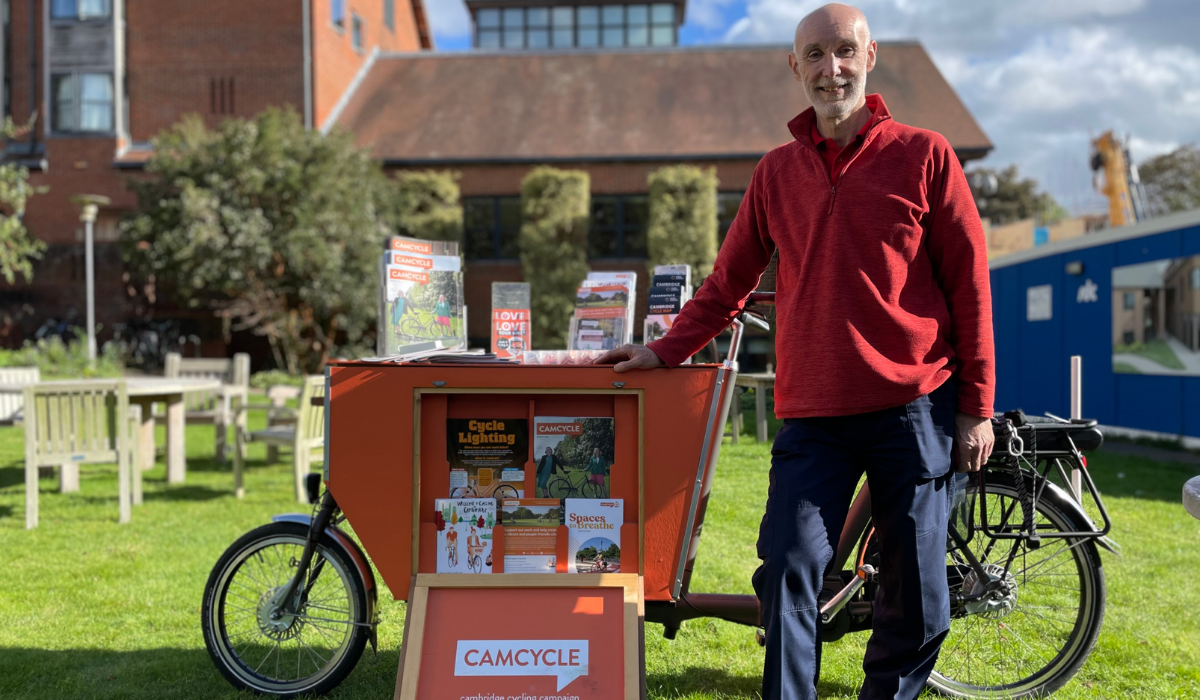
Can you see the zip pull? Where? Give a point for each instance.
(832, 196)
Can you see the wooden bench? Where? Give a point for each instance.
(69, 424)
(306, 437)
(12, 403)
(213, 407)
(760, 383)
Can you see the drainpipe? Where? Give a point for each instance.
(308, 86)
(33, 75)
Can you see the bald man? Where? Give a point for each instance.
(885, 357)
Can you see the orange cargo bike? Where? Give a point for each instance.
(290, 606)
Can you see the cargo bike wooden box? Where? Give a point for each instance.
(290, 606)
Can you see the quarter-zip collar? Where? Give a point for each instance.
(801, 126)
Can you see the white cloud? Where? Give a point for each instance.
(708, 14)
(449, 18)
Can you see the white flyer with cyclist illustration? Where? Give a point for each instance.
(594, 535)
(464, 534)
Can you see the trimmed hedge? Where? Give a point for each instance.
(427, 206)
(554, 230)
(683, 218)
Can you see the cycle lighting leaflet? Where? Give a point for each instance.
(594, 535)
(464, 534)
(573, 456)
(530, 534)
(487, 456)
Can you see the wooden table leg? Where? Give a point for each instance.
(176, 462)
(146, 433)
(760, 410)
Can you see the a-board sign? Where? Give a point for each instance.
(522, 637)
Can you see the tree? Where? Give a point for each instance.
(1172, 180)
(683, 218)
(426, 205)
(18, 249)
(1013, 198)
(273, 227)
(553, 243)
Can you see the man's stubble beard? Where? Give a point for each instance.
(855, 89)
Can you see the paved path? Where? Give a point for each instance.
(1148, 366)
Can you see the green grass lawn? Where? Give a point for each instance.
(1157, 351)
(91, 609)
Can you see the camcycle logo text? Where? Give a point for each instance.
(565, 659)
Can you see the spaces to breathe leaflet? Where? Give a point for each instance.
(530, 534)
(464, 534)
(594, 535)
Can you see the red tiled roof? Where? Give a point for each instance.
(695, 102)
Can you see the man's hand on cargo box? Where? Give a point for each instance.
(629, 357)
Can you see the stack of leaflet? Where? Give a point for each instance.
(670, 289)
(604, 311)
(421, 297)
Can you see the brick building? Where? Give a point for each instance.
(105, 76)
(599, 85)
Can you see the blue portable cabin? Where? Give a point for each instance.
(1056, 300)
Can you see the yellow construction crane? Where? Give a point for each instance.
(1110, 155)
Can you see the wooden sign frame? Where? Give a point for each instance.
(633, 612)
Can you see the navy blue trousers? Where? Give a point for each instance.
(816, 465)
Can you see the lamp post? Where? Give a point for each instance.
(89, 205)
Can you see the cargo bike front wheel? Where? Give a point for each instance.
(261, 647)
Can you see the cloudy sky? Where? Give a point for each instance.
(1039, 75)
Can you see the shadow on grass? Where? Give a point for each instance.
(722, 684)
(1124, 476)
(37, 674)
(188, 493)
(12, 475)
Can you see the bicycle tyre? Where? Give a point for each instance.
(505, 491)
(1085, 630)
(588, 489)
(411, 327)
(462, 492)
(217, 608)
(560, 487)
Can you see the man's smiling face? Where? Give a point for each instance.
(832, 55)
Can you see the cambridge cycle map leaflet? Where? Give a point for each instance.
(421, 297)
(573, 456)
(464, 534)
(594, 535)
(530, 534)
(510, 319)
(670, 289)
(487, 456)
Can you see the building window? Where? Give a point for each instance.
(221, 95)
(587, 21)
(1128, 337)
(337, 14)
(662, 25)
(612, 20)
(357, 32)
(487, 28)
(727, 209)
(1195, 278)
(563, 22)
(514, 27)
(618, 227)
(389, 14)
(492, 226)
(82, 102)
(80, 9)
(1127, 301)
(537, 22)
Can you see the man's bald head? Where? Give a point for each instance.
(831, 57)
(834, 15)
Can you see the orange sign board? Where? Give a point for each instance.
(563, 637)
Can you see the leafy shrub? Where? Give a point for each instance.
(426, 205)
(65, 360)
(683, 218)
(553, 242)
(274, 377)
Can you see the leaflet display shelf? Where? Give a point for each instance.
(386, 446)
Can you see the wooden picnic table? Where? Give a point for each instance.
(760, 383)
(145, 392)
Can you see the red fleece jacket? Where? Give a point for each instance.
(882, 288)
